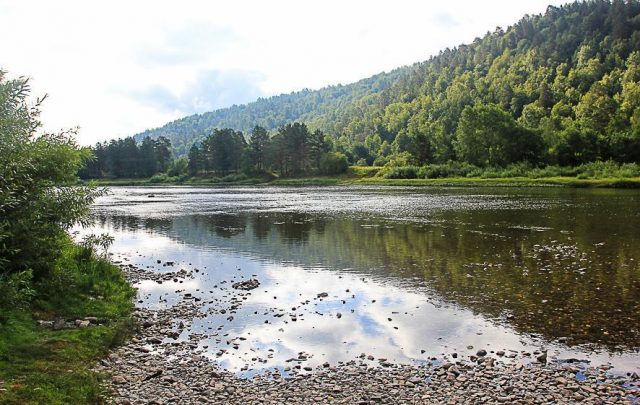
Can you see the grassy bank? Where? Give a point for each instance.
(357, 175)
(506, 182)
(40, 365)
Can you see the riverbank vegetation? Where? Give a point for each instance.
(81, 300)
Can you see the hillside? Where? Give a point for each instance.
(566, 82)
(273, 112)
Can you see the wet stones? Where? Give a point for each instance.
(153, 369)
(246, 285)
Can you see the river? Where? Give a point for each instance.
(404, 274)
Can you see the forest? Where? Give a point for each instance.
(292, 151)
(558, 89)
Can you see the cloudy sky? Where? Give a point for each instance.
(115, 68)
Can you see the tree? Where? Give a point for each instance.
(147, 163)
(258, 147)
(318, 147)
(294, 149)
(489, 136)
(195, 161)
(222, 151)
(577, 145)
(162, 153)
(38, 202)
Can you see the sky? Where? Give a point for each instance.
(115, 68)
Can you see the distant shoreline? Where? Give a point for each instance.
(346, 180)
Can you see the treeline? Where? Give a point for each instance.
(124, 158)
(292, 151)
(561, 88)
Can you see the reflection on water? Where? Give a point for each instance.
(411, 273)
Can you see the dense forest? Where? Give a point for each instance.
(126, 158)
(292, 151)
(561, 88)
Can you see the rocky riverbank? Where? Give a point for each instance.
(160, 366)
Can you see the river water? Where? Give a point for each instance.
(409, 274)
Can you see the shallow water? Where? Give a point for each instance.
(412, 273)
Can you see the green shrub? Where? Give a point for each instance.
(16, 290)
(380, 161)
(333, 163)
(159, 178)
(178, 167)
(38, 201)
(233, 178)
(401, 172)
(450, 169)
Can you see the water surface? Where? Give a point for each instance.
(409, 273)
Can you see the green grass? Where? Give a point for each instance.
(506, 182)
(597, 174)
(306, 181)
(40, 366)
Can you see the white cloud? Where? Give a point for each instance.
(96, 59)
(211, 89)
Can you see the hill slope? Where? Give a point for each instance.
(570, 76)
(273, 112)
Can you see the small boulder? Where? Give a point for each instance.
(246, 285)
(59, 324)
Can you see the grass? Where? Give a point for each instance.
(596, 174)
(41, 366)
(506, 182)
(369, 179)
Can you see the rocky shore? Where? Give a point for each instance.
(156, 367)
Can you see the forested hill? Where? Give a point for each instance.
(273, 112)
(570, 76)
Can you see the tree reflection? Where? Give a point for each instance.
(561, 271)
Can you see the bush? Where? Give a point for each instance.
(37, 200)
(607, 169)
(178, 167)
(333, 163)
(15, 290)
(159, 178)
(380, 161)
(232, 178)
(451, 169)
(401, 172)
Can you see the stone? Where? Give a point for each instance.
(45, 324)
(246, 285)
(119, 380)
(59, 324)
(542, 358)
